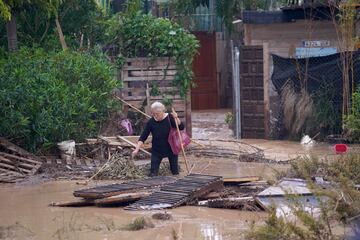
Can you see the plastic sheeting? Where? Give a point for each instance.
(319, 71)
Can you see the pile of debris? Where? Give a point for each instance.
(16, 163)
(169, 192)
(103, 147)
(152, 193)
(246, 193)
(95, 154)
(121, 166)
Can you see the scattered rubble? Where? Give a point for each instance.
(242, 203)
(287, 196)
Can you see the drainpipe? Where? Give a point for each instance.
(236, 88)
(238, 105)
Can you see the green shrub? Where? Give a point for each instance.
(49, 97)
(352, 122)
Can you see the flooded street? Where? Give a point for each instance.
(25, 213)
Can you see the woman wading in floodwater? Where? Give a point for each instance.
(159, 126)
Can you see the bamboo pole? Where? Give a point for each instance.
(181, 142)
(132, 144)
(123, 101)
(107, 164)
(148, 116)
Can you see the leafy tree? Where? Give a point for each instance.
(9, 11)
(82, 25)
(4, 11)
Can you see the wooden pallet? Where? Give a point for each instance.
(10, 177)
(141, 75)
(15, 162)
(126, 187)
(178, 193)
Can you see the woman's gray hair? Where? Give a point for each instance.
(157, 106)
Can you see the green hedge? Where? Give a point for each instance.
(49, 97)
(352, 121)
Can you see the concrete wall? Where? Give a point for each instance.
(282, 39)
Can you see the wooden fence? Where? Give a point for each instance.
(146, 80)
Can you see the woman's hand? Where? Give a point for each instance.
(134, 153)
(176, 118)
(174, 114)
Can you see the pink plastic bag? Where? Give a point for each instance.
(127, 125)
(174, 140)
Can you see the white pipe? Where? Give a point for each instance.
(238, 109)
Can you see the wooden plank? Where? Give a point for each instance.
(121, 198)
(20, 164)
(9, 177)
(240, 180)
(151, 78)
(20, 158)
(75, 203)
(6, 171)
(132, 144)
(162, 89)
(92, 141)
(148, 62)
(158, 67)
(10, 165)
(152, 98)
(148, 73)
(135, 139)
(140, 84)
(10, 146)
(116, 189)
(13, 169)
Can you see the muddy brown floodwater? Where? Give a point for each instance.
(25, 215)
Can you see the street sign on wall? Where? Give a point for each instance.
(317, 43)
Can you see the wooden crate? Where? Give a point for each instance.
(142, 75)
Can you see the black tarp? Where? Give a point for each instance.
(323, 73)
(319, 71)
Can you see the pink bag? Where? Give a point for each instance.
(174, 140)
(125, 123)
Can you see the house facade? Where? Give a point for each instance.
(290, 33)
